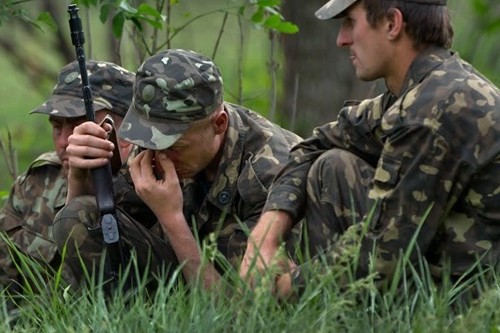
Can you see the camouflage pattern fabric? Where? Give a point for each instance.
(172, 89)
(434, 149)
(77, 228)
(27, 216)
(111, 87)
(253, 152)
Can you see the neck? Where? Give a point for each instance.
(210, 172)
(404, 55)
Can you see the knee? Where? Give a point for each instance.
(338, 168)
(75, 219)
(333, 162)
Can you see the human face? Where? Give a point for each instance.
(62, 128)
(368, 46)
(196, 149)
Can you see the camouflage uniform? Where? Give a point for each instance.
(430, 157)
(27, 216)
(38, 194)
(168, 96)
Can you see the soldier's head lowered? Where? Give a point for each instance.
(177, 109)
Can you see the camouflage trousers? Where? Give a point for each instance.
(77, 231)
(337, 197)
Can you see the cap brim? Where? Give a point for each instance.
(142, 132)
(66, 107)
(333, 9)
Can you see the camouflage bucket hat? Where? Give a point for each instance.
(335, 8)
(111, 87)
(172, 89)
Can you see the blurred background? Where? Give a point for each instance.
(275, 56)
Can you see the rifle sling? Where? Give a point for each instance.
(116, 160)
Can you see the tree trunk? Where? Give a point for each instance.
(319, 76)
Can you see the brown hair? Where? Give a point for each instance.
(426, 24)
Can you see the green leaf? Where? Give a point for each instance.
(145, 9)
(104, 14)
(155, 23)
(241, 10)
(136, 22)
(126, 7)
(46, 18)
(272, 21)
(268, 3)
(258, 16)
(117, 24)
(287, 28)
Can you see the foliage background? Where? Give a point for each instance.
(476, 25)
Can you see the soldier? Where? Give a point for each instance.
(38, 194)
(205, 171)
(421, 159)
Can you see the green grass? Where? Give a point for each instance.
(413, 302)
(324, 307)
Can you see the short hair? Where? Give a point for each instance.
(426, 24)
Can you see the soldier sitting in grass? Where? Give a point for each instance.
(37, 195)
(422, 160)
(205, 171)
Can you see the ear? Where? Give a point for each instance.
(220, 122)
(395, 24)
(124, 144)
(125, 149)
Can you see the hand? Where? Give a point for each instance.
(88, 146)
(163, 196)
(263, 253)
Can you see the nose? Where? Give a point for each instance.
(62, 140)
(343, 38)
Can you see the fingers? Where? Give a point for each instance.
(88, 146)
(265, 267)
(163, 196)
(141, 169)
(167, 168)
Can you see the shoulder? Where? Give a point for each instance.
(263, 148)
(450, 90)
(258, 131)
(46, 166)
(459, 82)
(48, 158)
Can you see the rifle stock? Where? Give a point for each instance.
(102, 176)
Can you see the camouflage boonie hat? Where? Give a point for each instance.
(171, 90)
(111, 87)
(335, 8)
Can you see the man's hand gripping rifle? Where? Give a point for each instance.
(102, 176)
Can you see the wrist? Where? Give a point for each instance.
(173, 223)
(271, 229)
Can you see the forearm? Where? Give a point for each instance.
(271, 229)
(188, 253)
(79, 183)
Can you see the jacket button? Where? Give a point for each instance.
(224, 197)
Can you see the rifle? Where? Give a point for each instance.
(102, 176)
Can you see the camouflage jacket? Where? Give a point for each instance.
(253, 153)
(35, 199)
(27, 216)
(436, 155)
